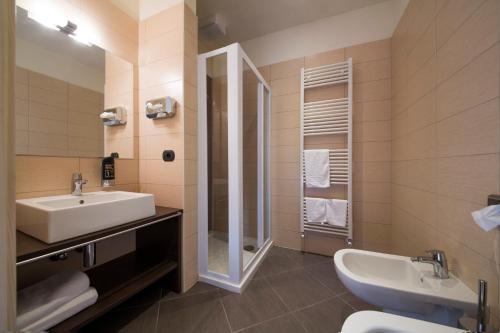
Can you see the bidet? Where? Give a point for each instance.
(403, 287)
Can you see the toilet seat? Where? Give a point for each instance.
(380, 322)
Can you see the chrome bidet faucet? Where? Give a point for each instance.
(77, 184)
(437, 260)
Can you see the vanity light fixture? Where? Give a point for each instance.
(51, 20)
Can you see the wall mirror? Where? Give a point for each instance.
(63, 85)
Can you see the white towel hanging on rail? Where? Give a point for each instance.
(336, 212)
(317, 168)
(316, 210)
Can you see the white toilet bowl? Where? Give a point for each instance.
(380, 322)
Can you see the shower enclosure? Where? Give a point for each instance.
(233, 168)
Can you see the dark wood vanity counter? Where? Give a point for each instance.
(30, 248)
(157, 258)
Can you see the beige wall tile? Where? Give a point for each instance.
(445, 132)
(21, 75)
(286, 86)
(372, 192)
(424, 49)
(325, 58)
(373, 233)
(474, 84)
(372, 151)
(476, 35)
(452, 16)
(167, 45)
(474, 131)
(372, 172)
(372, 91)
(372, 131)
(161, 72)
(369, 51)
(468, 178)
(164, 22)
(286, 69)
(47, 83)
(35, 173)
(372, 111)
(372, 70)
(285, 103)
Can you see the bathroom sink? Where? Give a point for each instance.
(379, 322)
(401, 286)
(53, 219)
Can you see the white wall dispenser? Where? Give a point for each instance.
(114, 116)
(160, 108)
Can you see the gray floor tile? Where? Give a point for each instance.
(298, 289)
(325, 316)
(199, 287)
(285, 324)
(132, 320)
(277, 261)
(306, 259)
(326, 274)
(358, 303)
(257, 303)
(202, 312)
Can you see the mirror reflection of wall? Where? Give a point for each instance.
(62, 86)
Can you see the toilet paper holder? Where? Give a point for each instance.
(160, 108)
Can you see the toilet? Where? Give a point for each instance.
(380, 322)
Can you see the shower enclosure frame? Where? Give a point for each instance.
(238, 276)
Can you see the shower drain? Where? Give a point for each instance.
(249, 248)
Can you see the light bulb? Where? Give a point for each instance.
(81, 39)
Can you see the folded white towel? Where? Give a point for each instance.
(336, 212)
(316, 210)
(77, 304)
(42, 298)
(317, 168)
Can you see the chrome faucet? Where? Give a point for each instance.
(77, 184)
(438, 260)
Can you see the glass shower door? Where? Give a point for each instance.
(217, 164)
(233, 174)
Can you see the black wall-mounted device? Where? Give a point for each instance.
(168, 155)
(108, 170)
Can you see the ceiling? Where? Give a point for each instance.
(248, 19)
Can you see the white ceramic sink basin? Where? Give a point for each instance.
(53, 219)
(400, 286)
(379, 322)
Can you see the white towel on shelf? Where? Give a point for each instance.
(63, 312)
(315, 210)
(336, 212)
(317, 168)
(42, 298)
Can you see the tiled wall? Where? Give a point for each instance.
(56, 118)
(167, 67)
(372, 146)
(121, 90)
(446, 134)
